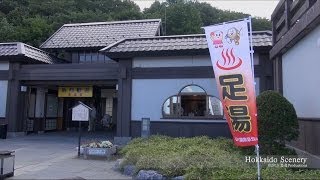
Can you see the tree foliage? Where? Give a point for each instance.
(187, 17)
(277, 121)
(33, 21)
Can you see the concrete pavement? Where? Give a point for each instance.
(54, 156)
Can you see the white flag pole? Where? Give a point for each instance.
(258, 161)
(252, 66)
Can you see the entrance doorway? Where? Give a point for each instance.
(49, 112)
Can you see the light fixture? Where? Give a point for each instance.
(23, 88)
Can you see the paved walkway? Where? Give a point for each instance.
(54, 156)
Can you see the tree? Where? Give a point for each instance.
(178, 17)
(277, 121)
(6, 31)
(19, 17)
(182, 18)
(33, 21)
(175, 12)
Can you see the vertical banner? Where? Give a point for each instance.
(231, 59)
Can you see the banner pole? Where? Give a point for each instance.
(251, 48)
(79, 139)
(252, 67)
(258, 161)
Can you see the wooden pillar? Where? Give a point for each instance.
(14, 108)
(266, 76)
(287, 14)
(124, 98)
(277, 74)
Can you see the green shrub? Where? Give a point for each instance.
(173, 156)
(200, 158)
(235, 173)
(277, 121)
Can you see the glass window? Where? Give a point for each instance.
(193, 105)
(192, 89)
(101, 58)
(82, 57)
(257, 85)
(192, 102)
(256, 59)
(88, 57)
(94, 57)
(171, 106)
(107, 59)
(214, 106)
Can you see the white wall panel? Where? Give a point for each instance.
(3, 97)
(177, 61)
(4, 65)
(301, 75)
(148, 95)
(40, 100)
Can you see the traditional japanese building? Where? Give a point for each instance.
(296, 52)
(127, 71)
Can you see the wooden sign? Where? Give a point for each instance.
(81, 112)
(85, 91)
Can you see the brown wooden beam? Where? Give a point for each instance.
(299, 12)
(277, 9)
(47, 83)
(4, 74)
(124, 99)
(68, 72)
(180, 72)
(13, 107)
(306, 24)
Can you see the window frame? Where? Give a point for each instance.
(89, 55)
(207, 116)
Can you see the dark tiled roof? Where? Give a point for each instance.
(100, 34)
(23, 50)
(176, 43)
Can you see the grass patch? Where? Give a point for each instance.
(199, 158)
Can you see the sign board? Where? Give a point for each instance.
(97, 151)
(80, 112)
(145, 127)
(85, 91)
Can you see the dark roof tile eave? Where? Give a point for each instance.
(173, 41)
(97, 39)
(19, 49)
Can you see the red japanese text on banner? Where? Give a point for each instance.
(229, 48)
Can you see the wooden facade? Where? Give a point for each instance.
(185, 62)
(293, 21)
(121, 73)
(132, 127)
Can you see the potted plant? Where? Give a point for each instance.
(98, 148)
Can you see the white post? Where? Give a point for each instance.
(252, 66)
(258, 161)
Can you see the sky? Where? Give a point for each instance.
(260, 8)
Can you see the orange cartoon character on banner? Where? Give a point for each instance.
(233, 34)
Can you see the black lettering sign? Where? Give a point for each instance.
(232, 87)
(240, 118)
